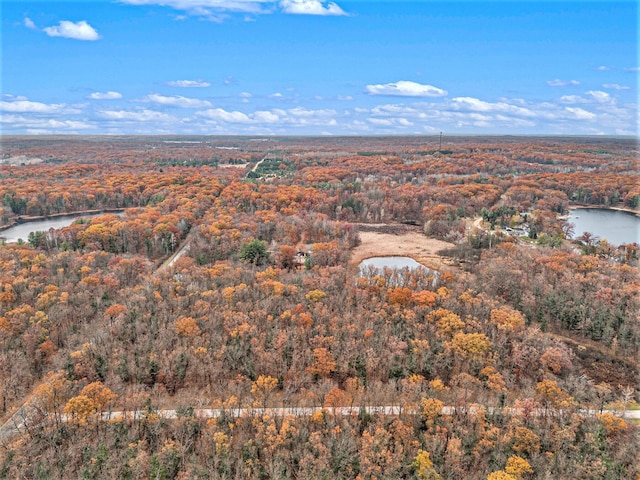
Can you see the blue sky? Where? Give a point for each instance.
(318, 67)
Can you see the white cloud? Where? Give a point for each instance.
(294, 117)
(390, 122)
(599, 96)
(265, 117)
(213, 10)
(189, 84)
(632, 69)
(276, 95)
(573, 99)
(311, 7)
(78, 31)
(580, 114)
(50, 125)
(615, 86)
(476, 105)
(25, 106)
(562, 83)
(221, 115)
(29, 23)
(105, 95)
(135, 116)
(406, 89)
(217, 10)
(603, 68)
(176, 101)
(303, 112)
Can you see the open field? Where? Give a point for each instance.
(411, 244)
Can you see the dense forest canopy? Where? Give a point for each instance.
(229, 280)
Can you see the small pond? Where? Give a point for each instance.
(396, 270)
(616, 226)
(22, 230)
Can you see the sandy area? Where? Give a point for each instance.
(412, 244)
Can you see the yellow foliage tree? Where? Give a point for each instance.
(79, 409)
(471, 345)
(262, 388)
(315, 295)
(424, 466)
(500, 475)
(517, 466)
(549, 394)
(526, 441)
(507, 319)
(187, 327)
(100, 395)
(613, 425)
(430, 410)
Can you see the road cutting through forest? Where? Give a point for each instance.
(20, 423)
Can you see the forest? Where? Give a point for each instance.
(222, 273)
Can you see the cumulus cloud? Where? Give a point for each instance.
(176, 101)
(562, 83)
(405, 88)
(573, 99)
(43, 125)
(311, 7)
(135, 115)
(189, 84)
(105, 95)
(219, 10)
(615, 86)
(29, 23)
(205, 6)
(477, 105)
(263, 116)
(296, 117)
(78, 31)
(603, 68)
(23, 105)
(580, 114)
(599, 96)
(225, 116)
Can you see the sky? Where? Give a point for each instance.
(316, 67)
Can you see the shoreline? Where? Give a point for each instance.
(596, 207)
(22, 219)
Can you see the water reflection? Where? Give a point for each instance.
(617, 227)
(399, 272)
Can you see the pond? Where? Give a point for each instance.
(22, 230)
(397, 270)
(616, 226)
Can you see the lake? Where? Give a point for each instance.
(22, 230)
(616, 226)
(396, 270)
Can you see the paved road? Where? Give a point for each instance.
(338, 411)
(18, 423)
